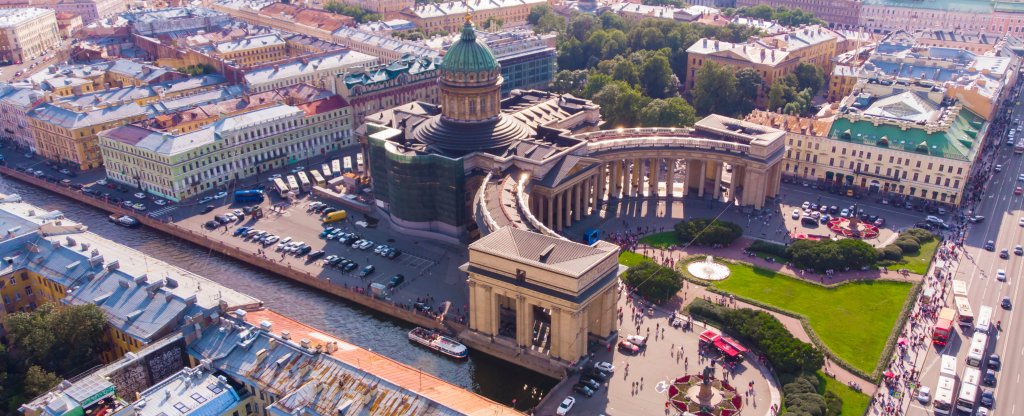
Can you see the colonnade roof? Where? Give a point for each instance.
(563, 256)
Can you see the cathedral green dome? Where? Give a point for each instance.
(467, 55)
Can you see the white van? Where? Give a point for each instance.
(979, 343)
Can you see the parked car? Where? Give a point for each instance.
(988, 398)
(140, 195)
(205, 199)
(924, 394)
(583, 389)
(565, 406)
(220, 195)
(593, 384)
(628, 347)
(395, 280)
(316, 254)
(368, 270)
(211, 224)
(994, 362)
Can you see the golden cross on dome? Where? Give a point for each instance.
(469, 15)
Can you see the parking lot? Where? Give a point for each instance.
(430, 269)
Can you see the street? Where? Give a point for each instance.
(977, 267)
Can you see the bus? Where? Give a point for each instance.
(335, 216)
(326, 170)
(304, 184)
(336, 167)
(948, 365)
(281, 186)
(251, 195)
(984, 319)
(318, 179)
(964, 312)
(979, 343)
(943, 326)
(293, 185)
(945, 392)
(959, 288)
(968, 390)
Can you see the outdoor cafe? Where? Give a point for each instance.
(730, 349)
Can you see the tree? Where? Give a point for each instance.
(625, 71)
(703, 231)
(59, 338)
(714, 90)
(654, 282)
(595, 83)
(669, 112)
(657, 79)
(566, 82)
(494, 23)
(545, 20)
(620, 103)
(809, 76)
(361, 15)
(748, 85)
(845, 254)
(39, 381)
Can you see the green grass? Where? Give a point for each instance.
(918, 264)
(630, 259)
(854, 402)
(661, 240)
(854, 320)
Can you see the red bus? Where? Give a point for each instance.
(943, 326)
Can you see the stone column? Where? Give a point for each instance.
(548, 209)
(638, 177)
(591, 197)
(655, 172)
(732, 184)
(701, 177)
(717, 166)
(557, 213)
(475, 308)
(754, 188)
(775, 180)
(627, 180)
(556, 333)
(670, 178)
(602, 181)
(523, 330)
(567, 202)
(616, 180)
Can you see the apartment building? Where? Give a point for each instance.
(318, 70)
(27, 33)
(251, 50)
(179, 155)
(841, 13)
(385, 47)
(170, 20)
(15, 103)
(773, 56)
(449, 17)
(143, 298)
(88, 10)
(69, 134)
(637, 11)
(284, 16)
(406, 80)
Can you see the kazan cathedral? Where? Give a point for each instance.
(539, 161)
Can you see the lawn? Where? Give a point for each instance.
(630, 259)
(854, 402)
(661, 240)
(854, 320)
(918, 264)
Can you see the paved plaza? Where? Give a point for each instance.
(672, 354)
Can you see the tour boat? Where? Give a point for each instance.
(124, 221)
(437, 342)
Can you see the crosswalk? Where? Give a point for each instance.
(162, 211)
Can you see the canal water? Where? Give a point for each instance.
(485, 375)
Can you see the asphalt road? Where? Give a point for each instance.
(1002, 210)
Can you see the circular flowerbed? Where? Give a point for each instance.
(853, 228)
(678, 394)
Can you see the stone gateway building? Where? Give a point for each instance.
(545, 294)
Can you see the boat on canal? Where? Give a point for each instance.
(124, 221)
(437, 342)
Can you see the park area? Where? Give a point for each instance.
(853, 319)
(917, 263)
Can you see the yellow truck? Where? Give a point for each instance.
(335, 216)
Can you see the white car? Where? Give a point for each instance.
(238, 213)
(205, 199)
(796, 214)
(269, 241)
(160, 202)
(1020, 177)
(1001, 275)
(565, 406)
(805, 205)
(103, 182)
(924, 394)
(605, 366)
(275, 176)
(982, 411)
(140, 195)
(1020, 222)
(220, 195)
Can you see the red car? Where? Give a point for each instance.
(628, 347)
(1018, 191)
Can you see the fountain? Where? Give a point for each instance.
(708, 269)
(704, 395)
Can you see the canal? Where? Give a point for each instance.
(485, 375)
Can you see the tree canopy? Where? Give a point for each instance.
(654, 282)
(785, 17)
(714, 90)
(361, 15)
(706, 232)
(846, 253)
